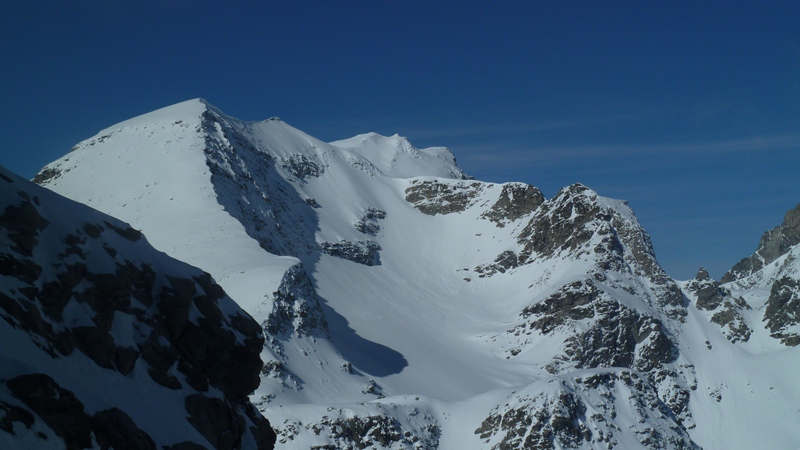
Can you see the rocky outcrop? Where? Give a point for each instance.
(578, 224)
(92, 297)
(725, 309)
(361, 252)
(563, 224)
(367, 430)
(368, 223)
(772, 268)
(774, 244)
(65, 415)
(435, 197)
(579, 412)
(503, 262)
(302, 167)
(782, 311)
(296, 309)
(610, 334)
(516, 200)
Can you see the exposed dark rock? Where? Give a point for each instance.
(503, 262)
(670, 391)
(23, 223)
(374, 214)
(783, 310)
(434, 197)
(709, 294)
(127, 232)
(711, 297)
(97, 344)
(114, 429)
(58, 408)
(24, 270)
(738, 330)
(516, 200)
(774, 244)
(361, 252)
(216, 420)
(296, 309)
(368, 224)
(371, 431)
(622, 337)
(552, 420)
(617, 336)
(561, 225)
(160, 359)
(125, 359)
(175, 322)
(14, 413)
(23, 314)
(572, 302)
(259, 427)
(46, 175)
(302, 167)
(575, 223)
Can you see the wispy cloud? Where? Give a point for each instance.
(501, 130)
(550, 155)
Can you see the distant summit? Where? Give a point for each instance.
(774, 243)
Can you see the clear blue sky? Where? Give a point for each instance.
(688, 110)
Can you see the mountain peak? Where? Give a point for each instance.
(395, 156)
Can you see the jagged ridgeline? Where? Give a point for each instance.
(406, 305)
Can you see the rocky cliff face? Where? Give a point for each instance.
(621, 310)
(774, 243)
(767, 282)
(726, 311)
(574, 412)
(104, 328)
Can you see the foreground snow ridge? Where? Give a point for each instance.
(407, 305)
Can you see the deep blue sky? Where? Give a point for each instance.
(688, 110)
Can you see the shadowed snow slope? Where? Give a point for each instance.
(406, 305)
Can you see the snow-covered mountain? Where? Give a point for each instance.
(108, 343)
(406, 305)
(759, 297)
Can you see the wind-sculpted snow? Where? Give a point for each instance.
(396, 157)
(406, 305)
(108, 343)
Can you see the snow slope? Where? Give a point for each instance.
(406, 305)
